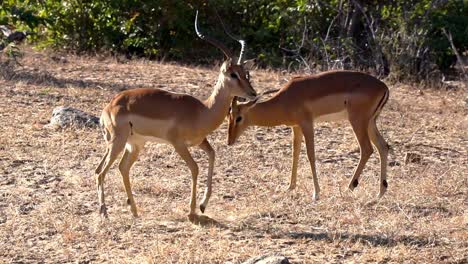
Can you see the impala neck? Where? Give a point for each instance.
(268, 113)
(217, 105)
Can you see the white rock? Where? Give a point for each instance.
(63, 116)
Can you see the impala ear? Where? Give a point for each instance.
(249, 64)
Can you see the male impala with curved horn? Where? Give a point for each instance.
(137, 116)
(328, 96)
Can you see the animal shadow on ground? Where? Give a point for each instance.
(374, 240)
(204, 220)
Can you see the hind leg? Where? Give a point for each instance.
(382, 147)
(103, 160)
(362, 136)
(114, 148)
(126, 163)
(107, 137)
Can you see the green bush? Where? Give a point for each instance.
(402, 36)
(454, 18)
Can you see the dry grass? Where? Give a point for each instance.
(48, 204)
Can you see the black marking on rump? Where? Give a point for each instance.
(385, 184)
(381, 103)
(131, 128)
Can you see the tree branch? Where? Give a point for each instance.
(460, 62)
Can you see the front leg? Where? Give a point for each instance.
(205, 146)
(297, 140)
(183, 151)
(308, 131)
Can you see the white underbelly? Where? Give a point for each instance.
(160, 131)
(140, 140)
(338, 116)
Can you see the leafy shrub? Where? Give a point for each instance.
(403, 37)
(454, 18)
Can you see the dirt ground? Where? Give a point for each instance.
(48, 200)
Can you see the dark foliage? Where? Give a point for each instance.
(403, 38)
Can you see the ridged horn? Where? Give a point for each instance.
(211, 40)
(241, 41)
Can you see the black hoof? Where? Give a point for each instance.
(355, 183)
(103, 211)
(385, 184)
(202, 208)
(128, 201)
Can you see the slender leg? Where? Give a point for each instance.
(182, 150)
(308, 131)
(382, 147)
(362, 136)
(103, 160)
(205, 146)
(296, 149)
(126, 163)
(114, 149)
(107, 137)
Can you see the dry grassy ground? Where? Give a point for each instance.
(48, 201)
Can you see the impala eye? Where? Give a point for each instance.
(233, 75)
(238, 119)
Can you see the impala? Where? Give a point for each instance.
(329, 96)
(134, 117)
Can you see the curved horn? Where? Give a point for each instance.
(236, 101)
(211, 40)
(241, 41)
(249, 103)
(269, 92)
